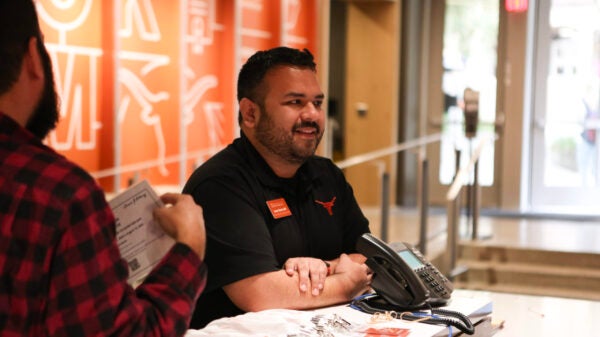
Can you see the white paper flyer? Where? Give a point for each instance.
(141, 240)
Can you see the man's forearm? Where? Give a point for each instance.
(279, 290)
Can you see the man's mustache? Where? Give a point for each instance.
(307, 125)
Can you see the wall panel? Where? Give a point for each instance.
(148, 86)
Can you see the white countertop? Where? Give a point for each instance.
(532, 316)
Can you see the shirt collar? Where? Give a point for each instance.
(306, 174)
(9, 127)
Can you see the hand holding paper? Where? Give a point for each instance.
(146, 227)
(182, 219)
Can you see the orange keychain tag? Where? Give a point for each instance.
(279, 208)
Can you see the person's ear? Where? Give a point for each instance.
(33, 60)
(249, 111)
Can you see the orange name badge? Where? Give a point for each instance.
(279, 208)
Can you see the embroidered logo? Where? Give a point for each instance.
(328, 205)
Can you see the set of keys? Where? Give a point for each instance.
(324, 326)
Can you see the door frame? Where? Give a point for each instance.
(543, 199)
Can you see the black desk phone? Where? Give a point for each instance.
(402, 276)
(405, 281)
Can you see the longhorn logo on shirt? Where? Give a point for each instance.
(328, 205)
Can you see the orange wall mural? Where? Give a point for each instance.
(147, 87)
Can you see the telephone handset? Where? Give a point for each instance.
(402, 276)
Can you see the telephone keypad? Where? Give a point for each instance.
(435, 281)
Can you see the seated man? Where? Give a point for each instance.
(281, 222)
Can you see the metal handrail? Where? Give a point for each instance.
(144, 165)
(385, 203)
(453, 206)
(410, 144)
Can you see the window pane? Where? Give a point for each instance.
(469, 60)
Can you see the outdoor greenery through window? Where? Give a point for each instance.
(469, 61)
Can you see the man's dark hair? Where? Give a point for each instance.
(254, 70)
(18, 23)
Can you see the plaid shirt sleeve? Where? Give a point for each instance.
(89, 295)
(61, 273)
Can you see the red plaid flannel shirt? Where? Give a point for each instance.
(61, 273)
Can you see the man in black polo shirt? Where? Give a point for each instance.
(281, 223)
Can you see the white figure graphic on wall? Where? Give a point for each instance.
(77, 98)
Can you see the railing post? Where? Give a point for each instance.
(457, 155)
(453, 208)
(424, 203)
(476, 202)
(385, 205)
(385, 179)
(452, 211)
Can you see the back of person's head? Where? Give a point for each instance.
(255, 69)
(18, 23)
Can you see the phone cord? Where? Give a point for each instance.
(463, 324)
(452, 318)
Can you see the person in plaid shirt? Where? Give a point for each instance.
(61, 273)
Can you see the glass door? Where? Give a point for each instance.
(469, 62)
(462, 49)
(564, 167)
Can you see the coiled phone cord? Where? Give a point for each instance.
(437, 316)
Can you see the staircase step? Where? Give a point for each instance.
(531, 275)
(529, 271)
(531, 290)
(528, 268)
(480, 251)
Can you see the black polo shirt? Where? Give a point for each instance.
(255, 220)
